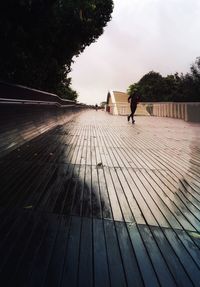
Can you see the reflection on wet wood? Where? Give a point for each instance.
(101, 202)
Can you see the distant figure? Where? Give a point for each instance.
(96, 107)
(133, 99)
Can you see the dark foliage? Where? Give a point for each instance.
(39, 38)
(153, 87)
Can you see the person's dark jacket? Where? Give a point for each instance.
(134, 99)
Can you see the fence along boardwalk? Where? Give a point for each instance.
(102, 202)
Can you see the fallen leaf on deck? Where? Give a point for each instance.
(28, 207)
(195, 234)
(100, 164)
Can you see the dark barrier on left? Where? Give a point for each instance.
(26, 113)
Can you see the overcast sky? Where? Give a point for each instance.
(143, 35)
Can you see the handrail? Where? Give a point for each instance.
(188, 111)
(30, 102)
(148, 103)
(17, 94)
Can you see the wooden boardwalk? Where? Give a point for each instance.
(101, 202)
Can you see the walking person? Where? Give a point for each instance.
(133, 99)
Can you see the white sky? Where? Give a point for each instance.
(143, 35)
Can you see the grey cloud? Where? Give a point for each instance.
(143, 35)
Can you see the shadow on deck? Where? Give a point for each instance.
(100, 202)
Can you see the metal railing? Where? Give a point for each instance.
(27, 113)
(16, 94)
(123, 108)
(189, 111)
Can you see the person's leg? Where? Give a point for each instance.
(130, 116)
(133, 108)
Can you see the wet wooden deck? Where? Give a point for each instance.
(102, 202)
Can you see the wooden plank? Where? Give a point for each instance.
(135, 208)
(159, 197)
(12, 255)
(77, 207)
(96, 146)
(60, 190)
(70, 195)
(7, 243)
(187, 189)
(145, 210)
(103, 148)
(41, 260)
(104, 196)
(85, 271)
(95, 191)
(192, 222)
(176, 268)
(148, 198)
(124, 204)
(29, 253)
(55, 267)
(170, 198)
(101, 270)
(116, 211)
(117, 275)
(87, 197)
(192, 270)
(70, 267)
(133, 275)
(191, 246)
(161, 268)
(147, 270)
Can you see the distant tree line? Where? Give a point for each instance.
(153, 87)
(39, 38)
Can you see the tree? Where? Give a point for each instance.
(177, 88)
(151, 86)
(195, 70)
(39, 38)
(189, 84)
(195, 74)
(132, 88)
